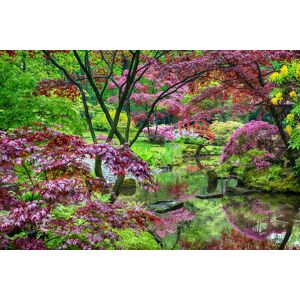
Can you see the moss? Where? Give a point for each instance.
(131, 240)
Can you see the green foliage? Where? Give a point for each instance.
(272, 179)
(199, 141)
(64, 212)
(170, 154)
(145, 153)
(20, 106)
(292, 122)
(100, 122)
(132, 240)
(239, 164)
(224, 130)
(224, 170)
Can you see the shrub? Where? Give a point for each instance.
(159, 133)
(292, 123)
(51, 166)
(199, 141)
(132, 240)
(223, 130)
(272, 179)
(255, 135)
(94, 225)
(100, 123)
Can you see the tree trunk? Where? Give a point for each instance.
(287, 235)
(116, 188)
(98, 167)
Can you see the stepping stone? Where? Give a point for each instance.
(165, 206)
(210, 196)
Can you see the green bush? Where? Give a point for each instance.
(292, 123)
(192, 140)
(224, 130)
(170, 154)
(272, 179)
(100, 123)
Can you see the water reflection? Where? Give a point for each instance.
(242, 222)
(261, 217)
(255, 221)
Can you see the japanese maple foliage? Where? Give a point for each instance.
(53, 164)
(94, 225)
(49, 167)
(153, 81)
(59, 87)
(240, 76)
(255, 135)
(7, 201)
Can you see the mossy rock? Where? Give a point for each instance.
(165, 206)
(131, 240)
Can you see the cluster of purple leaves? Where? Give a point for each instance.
(7, 201)
(101, 137)
(52, 164)
(241, 75)
(26, 219)
(93, 225)
(90, 227)
(255, 135)
(63, 190)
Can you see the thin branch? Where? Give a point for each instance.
(170, 90)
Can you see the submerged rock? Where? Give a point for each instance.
(235, 191)
(165, 206)
(128, 187)
(210, 196)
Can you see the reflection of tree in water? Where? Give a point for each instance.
(260, 220)
(208, 224)
(237, 241)
(177, 189)
(251, 218)
(169, 222)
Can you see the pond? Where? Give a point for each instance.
(252, 221)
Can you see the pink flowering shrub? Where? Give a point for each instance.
(159, 133)
(101, 137)
(255, 135)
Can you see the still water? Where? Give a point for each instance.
(254, 221)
